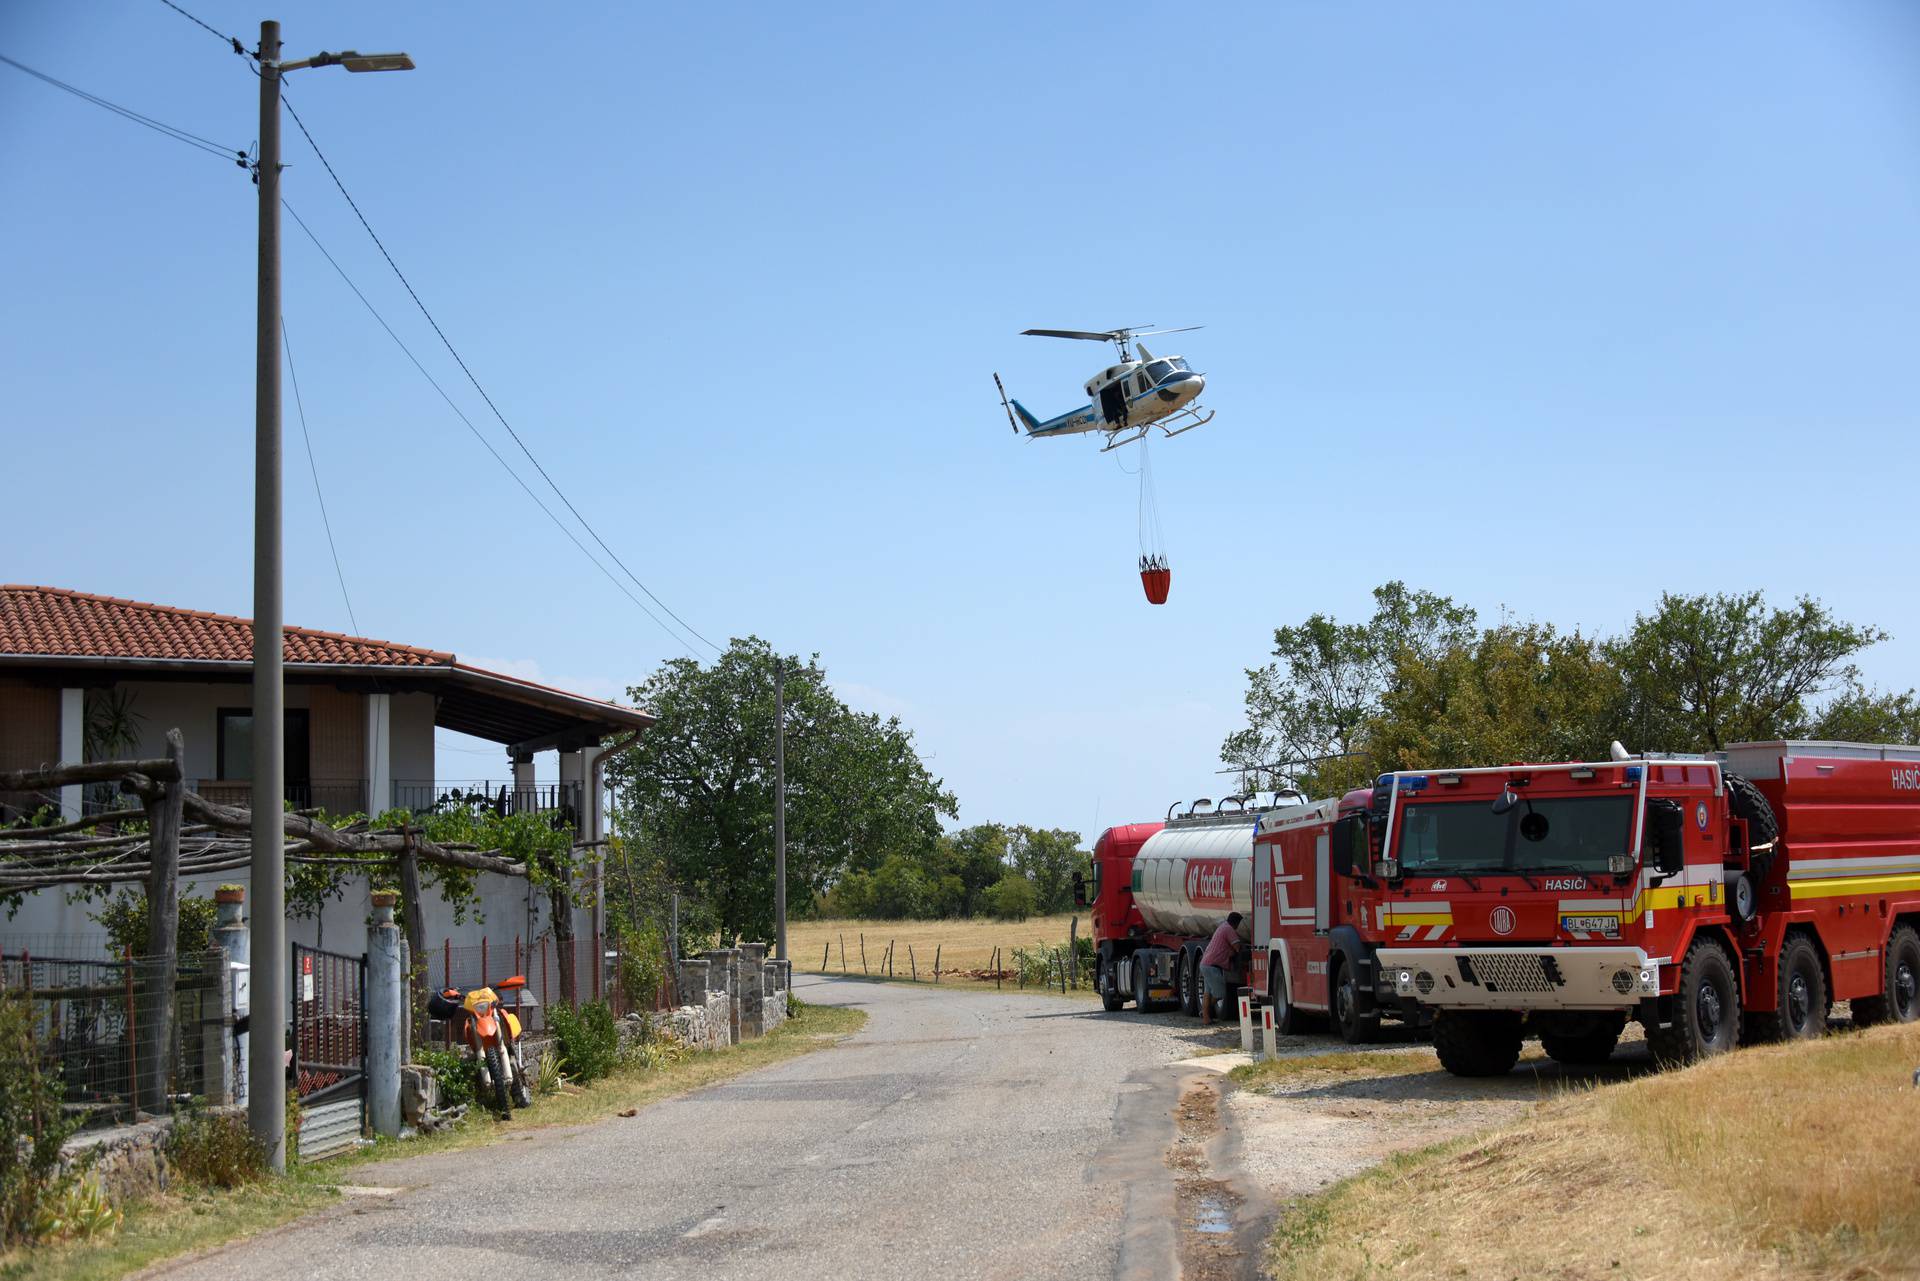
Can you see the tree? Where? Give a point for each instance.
(1705, 671)
(1011, 898)
(1307, 710)
(699, 784)
(1049, 858)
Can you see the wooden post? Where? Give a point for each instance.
(1073, 950)
(863, 954)
(163, 930)
(1063, 976)
(826, 950)
(936, 962)
(413, 923)
(843, 953)
(996, 970)
(913, 970)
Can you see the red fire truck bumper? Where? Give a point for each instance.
(1521, 978)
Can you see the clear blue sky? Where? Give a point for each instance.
(1547, 307)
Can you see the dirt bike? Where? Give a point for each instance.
(492, 1032)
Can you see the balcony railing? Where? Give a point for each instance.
(501, 797)
(334, 795)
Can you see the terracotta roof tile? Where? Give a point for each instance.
(56, 622)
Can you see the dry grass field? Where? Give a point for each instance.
(961, 946)
(1791, 1161)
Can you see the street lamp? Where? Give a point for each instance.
(266, 1069)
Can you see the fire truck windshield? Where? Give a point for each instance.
(1578, 834)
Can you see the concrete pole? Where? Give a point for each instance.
(385, 1017)
(780, 808)
(266, 1066)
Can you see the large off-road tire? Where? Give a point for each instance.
(1899, 999)
(1706, 1009)
(1763, 829)
(1355, 1025)
(497, 1069)
(1287, 1017)
(1800, 996)
(1111, 997)
(1583, 1041)
(1477, 1042)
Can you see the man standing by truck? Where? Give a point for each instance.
(1216, 961)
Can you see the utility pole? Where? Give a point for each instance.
(780, 807)
(268, 980)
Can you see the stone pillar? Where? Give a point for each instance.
(73, 746)
(386, 1010)
(721, 980)
(523, 785)
(692, 981)
(752, 989)
(224, 1052)
(774, 1010)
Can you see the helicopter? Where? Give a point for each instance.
(1142, 391)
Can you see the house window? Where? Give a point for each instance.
(235, 747)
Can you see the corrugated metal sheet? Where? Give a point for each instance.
(330, 1128)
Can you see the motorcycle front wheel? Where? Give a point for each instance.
(502, 1093)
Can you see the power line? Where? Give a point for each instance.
(236, 155)
(222, 37)
(313, 467)
(448, 343)
(477, 435)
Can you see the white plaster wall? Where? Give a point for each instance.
(413, 737)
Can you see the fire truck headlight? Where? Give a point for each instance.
(1620, 864)
(1649, 981)
(1403, 983)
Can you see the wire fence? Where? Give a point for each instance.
(587, 968)
(88, 1018)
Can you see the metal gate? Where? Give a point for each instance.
(329, 1049)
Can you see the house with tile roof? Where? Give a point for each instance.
(85, 677)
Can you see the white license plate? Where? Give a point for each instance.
(1607, 925)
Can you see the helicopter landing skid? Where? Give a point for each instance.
(1113, 442)
(1197, 422)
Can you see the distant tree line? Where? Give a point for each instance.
(1424, 683)
(988, 869)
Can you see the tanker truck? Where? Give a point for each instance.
(1161, 889)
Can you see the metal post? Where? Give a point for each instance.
(780, 807)
(266, 1081)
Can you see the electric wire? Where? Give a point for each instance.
(459, 360)
(475, 431)
(233, 155)
(222, 37)
(313, 468)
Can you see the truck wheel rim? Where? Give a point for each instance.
(1799, 1002)
(1710, 1011)
(1905, 985)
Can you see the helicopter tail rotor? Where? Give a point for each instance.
(1011, 421)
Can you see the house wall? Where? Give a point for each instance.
(29, 725)
(412, 736)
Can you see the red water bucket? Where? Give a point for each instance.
(1157, 582)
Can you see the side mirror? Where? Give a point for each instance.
(1079, 889)
(1666, 837)
(1507, 799)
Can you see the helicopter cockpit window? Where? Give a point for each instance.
(1180, 363)
(1158, 371)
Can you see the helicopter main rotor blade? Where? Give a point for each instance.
(1148, 333)
(1110, 336)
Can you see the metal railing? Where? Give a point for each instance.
(426, 796)
(334, 795)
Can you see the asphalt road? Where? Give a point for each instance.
(960, 1134)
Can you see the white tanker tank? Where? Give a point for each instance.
(1196, 869)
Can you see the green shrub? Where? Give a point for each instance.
(125, 919)
(34, 1187)
(458, 1075)
(589, 1039)
(1012, 898)
(215, 1150)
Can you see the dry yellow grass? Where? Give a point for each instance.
(960, 945)
(1781, 1162)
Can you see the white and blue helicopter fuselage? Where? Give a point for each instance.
(1129, 397)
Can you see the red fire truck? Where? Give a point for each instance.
(1708, 898)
